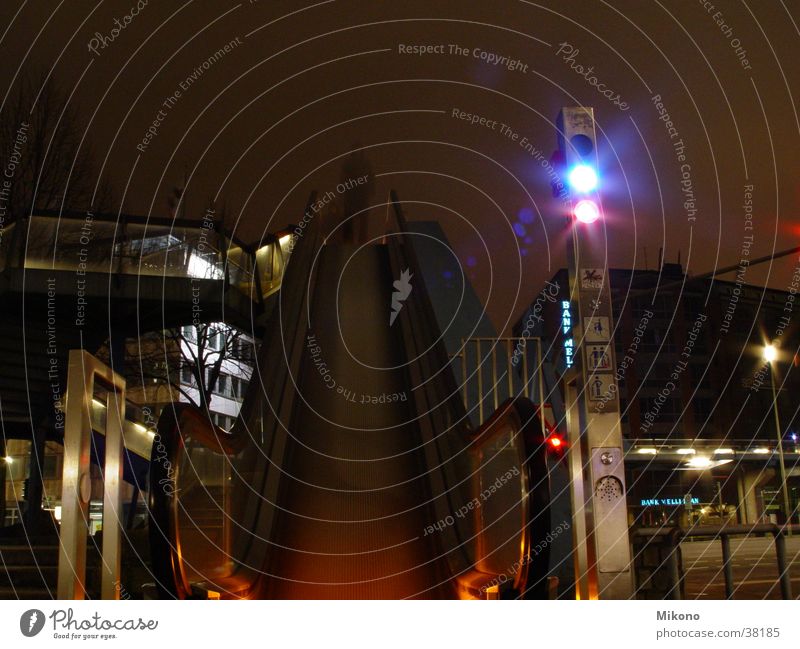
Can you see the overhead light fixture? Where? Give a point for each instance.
(9, 459)
(647, 451)
(702, 462)
(686, 451)
(723, 451)
(761, 450)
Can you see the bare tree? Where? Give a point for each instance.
(199, 351)
(205, 349)
(46, 164)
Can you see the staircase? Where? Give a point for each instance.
(29, 567)
(28, 571)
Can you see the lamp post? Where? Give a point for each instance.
(771, 356)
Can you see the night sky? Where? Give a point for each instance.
(301, 85)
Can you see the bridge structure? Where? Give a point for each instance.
(83, 280)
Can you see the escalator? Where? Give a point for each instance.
(352, 472)
(354, 496)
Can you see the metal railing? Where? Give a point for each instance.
(673, 536)
(496, 369)
(205, 534)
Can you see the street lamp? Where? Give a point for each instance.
(771, 357)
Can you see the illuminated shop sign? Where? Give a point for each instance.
(667, 501)
(566, 330)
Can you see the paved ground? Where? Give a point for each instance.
(755, 571)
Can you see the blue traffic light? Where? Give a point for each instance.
(583, 178)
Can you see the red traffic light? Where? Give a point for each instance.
(586, 211)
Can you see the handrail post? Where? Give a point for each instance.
(674, 567)
(509, 368)
(783, 569)
(495, 396)
(480, 380)
(464, 343)
(727, 566)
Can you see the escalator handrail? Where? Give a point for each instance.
(531, 580)
(284, 339)
(429, 373)
(180, 421)
(435, 343)
(425, 338)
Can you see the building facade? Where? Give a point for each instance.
(696, 393)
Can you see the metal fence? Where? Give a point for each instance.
(495, 369)
(669, 539)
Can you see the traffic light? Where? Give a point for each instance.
(555, 443)
(577, 146)
(586, 211)
(583, 178)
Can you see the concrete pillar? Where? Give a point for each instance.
(741, 502)
(752, 480)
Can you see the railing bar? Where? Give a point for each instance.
(727, 566)
(480, 380)
(526, 381)
(675, 572)
(508, 369)
(495, 395)
(783, 571)
(464, 357)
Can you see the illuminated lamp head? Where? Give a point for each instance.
(583, 178)
(586, 211)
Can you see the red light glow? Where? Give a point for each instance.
(586, 211)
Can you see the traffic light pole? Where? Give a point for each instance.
(598, 491)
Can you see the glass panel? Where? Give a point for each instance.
(499, 501)
(69, 244)
(240, 270)
(204, 526)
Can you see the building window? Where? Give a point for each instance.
(660, 408)
(702, 408)
(187, 377)
(223, 385)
